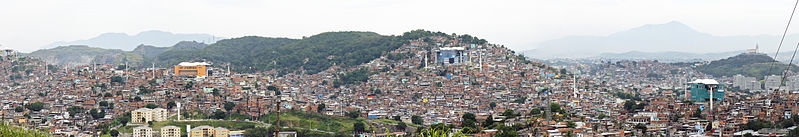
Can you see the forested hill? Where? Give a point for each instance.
(753, 65)
(239, 52)
(308, 55)
(312, 54)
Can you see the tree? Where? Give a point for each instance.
(489, 121)
(570, 124)
(125, 118)
(359, 127)
(468, 123)
(354, 114)
(151, 106)
(555, 107)
(535, 111)
(272, 88)
(321, 108)
(117, 79)
(219, 114)
(793, 133)
(257, 132)
(108, 95)
(36, 106)
(505, 131)
(629, 105)
(171, 104)
(397, 118)
(417, 120)
(401, 126)
(189, 85)
(492, 105)
(19, 109)
(96, 114)
(215, 92)
(104, 103)
(508, 113)
(75, 110)
(641, 127)
(229, 106)
(137, 98)
(114, 133)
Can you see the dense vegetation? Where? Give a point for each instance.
(752, 65)
(236, 51)
(7, 130)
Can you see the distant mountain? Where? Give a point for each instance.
(128, 42)
(149, 51)
(80, 55)
(314, 54)
(753, 65)
(188, 45)
(669, 37)
(667, 56)
(83, 54)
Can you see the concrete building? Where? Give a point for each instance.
(700, 90)
(159, 114)
(792, 83)
(237, 133)
(221, 132)
(142, 131)
(772, 82)
(170, 131)
(202, 131)
(192, 69)
(144, 115)
(744, 82)
(451, 55)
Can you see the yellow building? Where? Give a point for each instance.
(142, 131)
(141, 115)
(170, 131)
(192, 69)
(221, 132)
(202, 131)
(144, 115)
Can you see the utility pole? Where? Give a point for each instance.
(277, 123)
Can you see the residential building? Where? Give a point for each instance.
(144, 115)
(142, 131)
(772, 82)
(202, 131)
(221, 132)
(170, 131)
(237, 133)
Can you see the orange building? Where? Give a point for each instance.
(192, 69)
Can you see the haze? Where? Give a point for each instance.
(28, 25)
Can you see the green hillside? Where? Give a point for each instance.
(252, 53)
(76, 55)
(753, 65)
(236, 51)
(313, 54)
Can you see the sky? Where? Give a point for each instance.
(27, 25)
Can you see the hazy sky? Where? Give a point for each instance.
(29, 24)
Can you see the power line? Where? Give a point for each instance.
(780, 45)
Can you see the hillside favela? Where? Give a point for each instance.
(399, 68)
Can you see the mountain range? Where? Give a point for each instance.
(669, 39)
(246, 54)
(128, 42)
